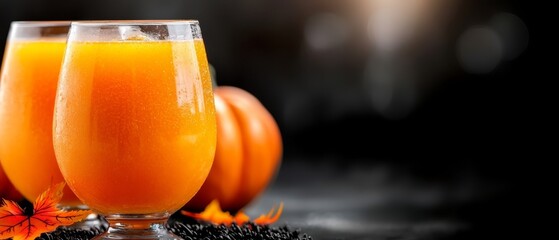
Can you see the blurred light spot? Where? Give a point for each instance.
(324, 31)
(391, 86)
(387, 29)
(298, 110)
(513, 33)
(392, 23)
(479, 50)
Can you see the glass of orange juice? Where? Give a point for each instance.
(134, 124)
(29, 77)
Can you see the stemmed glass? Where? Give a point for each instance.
(29, 77)
(134, 125)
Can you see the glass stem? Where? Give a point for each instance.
(138, 226)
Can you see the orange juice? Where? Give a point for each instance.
(134, 129)
(27, 92)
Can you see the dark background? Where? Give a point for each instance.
(375, 100)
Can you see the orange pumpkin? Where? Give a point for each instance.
(248, 152)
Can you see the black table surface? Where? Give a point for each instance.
(381, 201)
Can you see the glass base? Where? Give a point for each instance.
(92, 220)
(137, 226)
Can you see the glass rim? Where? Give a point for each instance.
(144, 22)
(40, 23)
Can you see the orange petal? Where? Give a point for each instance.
(241, 218)
(270, 217)
(212, 213)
